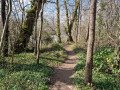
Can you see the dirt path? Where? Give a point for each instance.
(62, 76)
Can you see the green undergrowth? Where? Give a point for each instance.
(105, 73)
(24, 74)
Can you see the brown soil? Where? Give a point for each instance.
(61, 78)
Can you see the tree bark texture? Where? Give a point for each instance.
(27, 28)
(5, 25)
(58, 23)
(89, 59)
(40, 33)
(69, 26)
(3, 16)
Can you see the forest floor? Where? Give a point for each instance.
(61, 79)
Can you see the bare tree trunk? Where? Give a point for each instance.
(6, 44)
(35, 49)
(3, 15)
(78, 25)
(58, 23)
(40, 33)
(23, 12)
(5, 25)
(89, 61)
(79, 21)
(87, 34)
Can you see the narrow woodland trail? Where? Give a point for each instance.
(62, 75)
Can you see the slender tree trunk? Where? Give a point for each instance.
(118, 57)
(5, 25)
(40, 33)
(35, 49)
(79, 21)
(87, 34)
(23, 12)
(58, 23)
(3, 15)
(79, 32)
(6, 44)
(67, 19)
(89, 61)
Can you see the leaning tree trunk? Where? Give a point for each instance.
(27, 28)
(89, 61)
(58, 23)
(3, 15)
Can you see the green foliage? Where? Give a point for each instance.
(57, 46)
(31, 12)
(66, 31)
(32, 3)
(55, 53)
(2, 62)
(105, 75)
(46, 38)
(100, 58)
(26, 77)
(24, 74)
(102, 6)
(53, 47)
(25, 27)
(99, 22)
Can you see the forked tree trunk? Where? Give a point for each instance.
(58, 23)
(69, 26)
(89, 61)
(72, 21)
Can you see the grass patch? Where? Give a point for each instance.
(102, 79)
(22, 77)
(24, 74)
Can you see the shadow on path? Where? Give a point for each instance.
(61, 79)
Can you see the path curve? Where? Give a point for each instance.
(62, 75)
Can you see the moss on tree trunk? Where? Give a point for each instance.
(58, 23)
(27, 28)
(69, 26)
